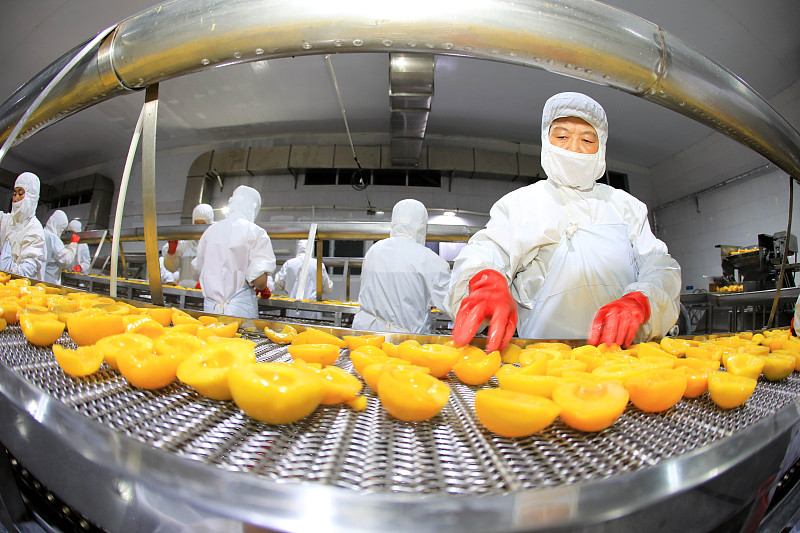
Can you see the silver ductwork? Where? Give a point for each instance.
(585, 40)
(410, 95)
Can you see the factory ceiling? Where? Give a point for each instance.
(294, 99)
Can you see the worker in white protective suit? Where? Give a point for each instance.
(83, 259)
(57, 257)
(21, 233)
(234, 258)
(401, 279)
(178, 255)
(574, 259)
(288, 279)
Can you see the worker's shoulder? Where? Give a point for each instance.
(540, 192)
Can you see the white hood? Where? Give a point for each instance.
(302, 244)
(203, 212)
(246, 201)
(74, 226)
(25, 209)
(566, 168)
(57, 223)
(410, 220)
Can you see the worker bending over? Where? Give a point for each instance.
(57, 257)
(178, 255)
(234, 258)
(572, 258)
(401, 279)
(21, 233)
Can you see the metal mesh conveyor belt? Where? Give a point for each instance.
(370, 451)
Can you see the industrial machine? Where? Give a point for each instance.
(758, 267)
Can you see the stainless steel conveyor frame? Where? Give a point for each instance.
(586, 40)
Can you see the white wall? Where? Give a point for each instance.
(734, 214)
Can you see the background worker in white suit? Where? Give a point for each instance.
(83, 259)
(178, 255)
(57, 257)
(21, 233)
(234, 258)
(401, 279)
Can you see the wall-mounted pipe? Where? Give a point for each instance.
(586, 40)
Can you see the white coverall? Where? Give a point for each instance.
(401, 279)
(231, 255)
(568, 248)
(57, 257)
(288, 279)
(83, 258)
(180, 263)
(21, 233)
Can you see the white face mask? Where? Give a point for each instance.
(572, 169)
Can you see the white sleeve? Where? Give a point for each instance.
(65, 255)
(280, 278)
(658, 276)
(84, 259)
(327, 282)
(31, 255)
(489, 248)
(439, 283)
(262, 258)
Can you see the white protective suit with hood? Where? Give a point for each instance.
(83, 257)
(288, 277)
(231, 255)
(568, 245)
(180, 263)
(57, 257)
(21, 233)
(400, 278)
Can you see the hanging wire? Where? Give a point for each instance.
(357, 179)
(785, 254)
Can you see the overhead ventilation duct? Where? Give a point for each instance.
(410, 95)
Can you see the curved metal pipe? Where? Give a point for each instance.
(296, 230)
(586, 40)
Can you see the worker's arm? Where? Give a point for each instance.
(84, 259)
(479, 286)
(658, 275)
(30, 260)
(260, 282)
(262, 259)
(327, 282)
(65, 255)
(172, 252)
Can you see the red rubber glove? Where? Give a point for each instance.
(197, 286)
(489, 298)
(77, 268)
(265, 293)
(75, 238)
(791, 328)
(173, 245)
(618, 321)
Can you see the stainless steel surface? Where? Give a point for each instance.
(123, 192)
(149, 123)
(721, 299)
(299, 230)
(590, 41)
(31, 108)
(410, 94)
(173, 456)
